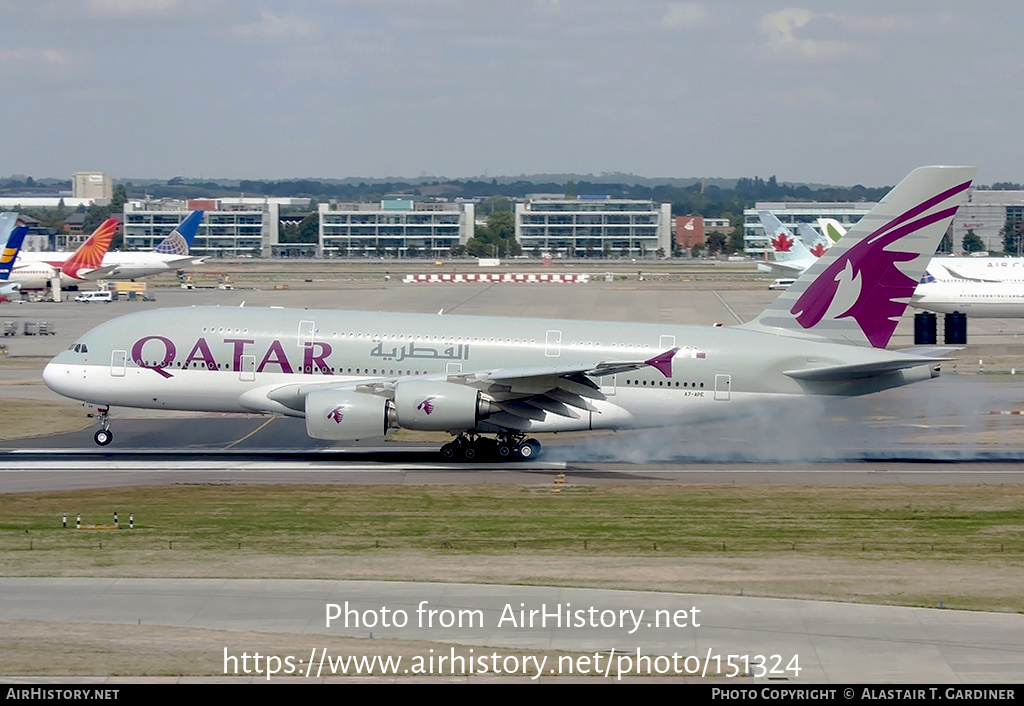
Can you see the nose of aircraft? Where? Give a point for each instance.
(60, 375)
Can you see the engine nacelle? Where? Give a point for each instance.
(345, 416)
(428, 405)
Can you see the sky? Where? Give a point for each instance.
(823, 92)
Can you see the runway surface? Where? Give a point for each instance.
(782, 641)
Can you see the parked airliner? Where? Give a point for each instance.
(356, 375)
(977, 299)
(172, 253)
(85, 262)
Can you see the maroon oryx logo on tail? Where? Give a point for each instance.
(874, 259)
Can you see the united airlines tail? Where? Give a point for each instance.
(857, 291)
(180, 239)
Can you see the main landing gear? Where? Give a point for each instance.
(104, 436)
(506, 447)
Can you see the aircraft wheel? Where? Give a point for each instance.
(504, 452)
(528, 450)
(469, 452)
(449, 451)
(103, 437)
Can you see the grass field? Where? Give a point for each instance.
(963, 546)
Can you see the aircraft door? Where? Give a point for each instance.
(666, 342)
(723, 387)
(247, 368)
(118, 359)
(553, 343)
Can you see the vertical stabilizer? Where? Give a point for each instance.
(858, 290)
(180, 239)
(784, 245)
(10, 250)
(90, 255)
(8, 220)
(832, 229)
(815, 241)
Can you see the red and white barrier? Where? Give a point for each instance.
(495, 277)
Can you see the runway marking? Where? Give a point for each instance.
(341, 467)
(315, 466)
(255, 431)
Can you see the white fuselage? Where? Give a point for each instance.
(986, 269)
(267, 360)
(126, 265)
(976, 299)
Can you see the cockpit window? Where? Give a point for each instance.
(79, 348)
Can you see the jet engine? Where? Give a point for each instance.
(428, 405)
(346, 416)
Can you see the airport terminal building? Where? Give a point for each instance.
(231, 227)
(986, 213)
(397, 227)
(594, 226)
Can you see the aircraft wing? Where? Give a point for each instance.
(99, 273)
(792, 268)
(521, 394)
(958, 275)
(183, 262)
(524, 394)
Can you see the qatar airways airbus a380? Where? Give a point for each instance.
(490, 382)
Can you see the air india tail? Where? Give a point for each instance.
(89, 256)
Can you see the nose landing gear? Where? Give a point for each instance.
(104, 436)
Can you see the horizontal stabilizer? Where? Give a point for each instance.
(938, 352)
(836, 373)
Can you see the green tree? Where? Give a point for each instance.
(492, 204)
(972, 243)
(715, 243)
(118, 199)
(736, 242)
(305, 231)
(1013, 233)
(497, 238)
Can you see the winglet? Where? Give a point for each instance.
(663, 361)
